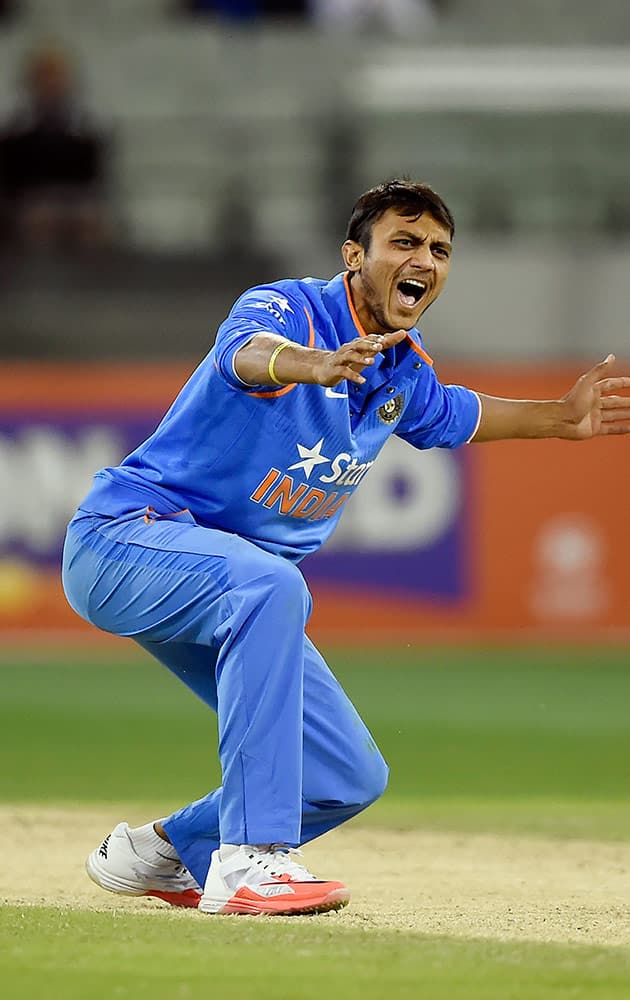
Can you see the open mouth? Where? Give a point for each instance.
(411, 291)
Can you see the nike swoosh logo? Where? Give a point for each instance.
(330, 392)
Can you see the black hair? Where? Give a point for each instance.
(408, 198)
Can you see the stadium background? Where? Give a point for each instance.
(475, 603)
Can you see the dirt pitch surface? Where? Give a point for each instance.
(460, 885)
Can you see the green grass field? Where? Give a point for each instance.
(510, 741)
(93, 956)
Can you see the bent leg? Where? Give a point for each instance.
(343, 771)
(175, 585)
(254, 680)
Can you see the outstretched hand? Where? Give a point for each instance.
(350, 359)
(591, 409)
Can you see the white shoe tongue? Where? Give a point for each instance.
(227, 850)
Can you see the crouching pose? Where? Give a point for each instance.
(191, 547)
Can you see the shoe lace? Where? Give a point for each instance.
(277, 859)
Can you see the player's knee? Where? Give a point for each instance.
(375, 779)
(287, 590)
(371, 778)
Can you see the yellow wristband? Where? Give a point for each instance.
(272, 361)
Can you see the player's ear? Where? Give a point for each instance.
(352, 255)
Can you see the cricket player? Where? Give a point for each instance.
(191, 547)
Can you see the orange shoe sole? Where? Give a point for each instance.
(246, 901)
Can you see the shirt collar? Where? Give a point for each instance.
(343, 306)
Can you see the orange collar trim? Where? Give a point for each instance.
(357, 322)
(353, 312)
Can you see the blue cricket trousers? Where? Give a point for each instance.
(228, 619)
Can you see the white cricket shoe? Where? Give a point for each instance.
(245, 879)
(117, 867)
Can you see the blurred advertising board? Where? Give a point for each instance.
(510, 540)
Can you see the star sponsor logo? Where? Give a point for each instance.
(333, 394)
(344, 468)
(282, 493)
(277, 305)
(310, 457)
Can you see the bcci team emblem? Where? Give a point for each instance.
(390, 411)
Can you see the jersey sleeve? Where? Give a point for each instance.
(260, 310)
(439, 416)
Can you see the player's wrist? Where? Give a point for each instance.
(287, 363)
(319, 367)
(271, 367)
(550, 419)
(561, 419)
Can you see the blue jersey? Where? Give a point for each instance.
(278, 465)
